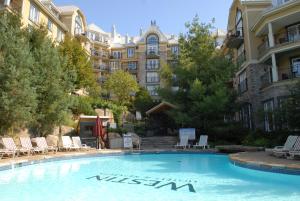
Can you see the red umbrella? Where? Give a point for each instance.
(99, 130)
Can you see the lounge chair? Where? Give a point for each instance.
(67, 144)
(77, 143)
(282, 151)
(202, 142)
(10, 145)
(295, 150)
(42, 144)
(6, 152)
(183, 143)
(26, 144)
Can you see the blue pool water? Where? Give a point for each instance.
(146, 177)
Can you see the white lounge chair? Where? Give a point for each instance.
(202, 142)
(42, 144)
(77, 143)
(6, 152)
(67, 144)
(282, 151)
(26, 144)
(183, 142)
(295, 150)
(10, 145)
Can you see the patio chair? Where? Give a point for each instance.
(10, 145)
(295, 150)
(6, 152)
(282, 151)
(183, 142)
(77, 143)
(26, 144)
(202, 142)
(42, 144)
(67, 144)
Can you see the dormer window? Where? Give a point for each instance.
(152, 44)
(78, 25)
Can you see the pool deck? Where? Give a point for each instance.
(263, 161)
(253, 160)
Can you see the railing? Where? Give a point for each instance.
(152, 79)
(243, 86)
(152, 67)
(101, 67)
(153, 53)
(99, 54)
(262, 48)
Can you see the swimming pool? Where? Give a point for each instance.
(146, 177)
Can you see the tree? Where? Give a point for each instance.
(122, 86)
(79, 65)
(52, 84)
(201, 76)
(17, 96)
(143, 101)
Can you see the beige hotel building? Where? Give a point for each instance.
(264, 41)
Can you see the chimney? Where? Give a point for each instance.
(113, 32)
(126, 38)
(141, 31)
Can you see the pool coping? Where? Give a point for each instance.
(21, 162)
(238, 160)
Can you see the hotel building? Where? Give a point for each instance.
(142, 56)
(264, 41)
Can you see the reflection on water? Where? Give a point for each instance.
(163, 177)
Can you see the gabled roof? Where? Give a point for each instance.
(94, 27)
(156, 30)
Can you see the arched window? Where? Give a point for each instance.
(78, 25)
(239, 22)
(152, 44)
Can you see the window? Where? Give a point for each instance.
(78, 25)
(153, 90)
(117, 54)
(174, 50)
(152, 77)
(114, 66)
(269, 115)
(130, 52)
(246, 115)
(239, 23)
(243, 85)
(293, 33)
(296, 67)
(152, 44)
(152, 64)
(60, 35)
(49, 25)
(131, 66)
(34, 14)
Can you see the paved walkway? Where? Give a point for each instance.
(265, 161)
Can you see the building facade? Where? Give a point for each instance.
(142, 56)
(264, 41)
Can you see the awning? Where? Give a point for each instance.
(163, 106)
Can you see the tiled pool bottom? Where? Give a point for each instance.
(155, 177)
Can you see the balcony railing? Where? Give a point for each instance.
(99, 54)
(152, 67)
(152, 79)
(101, 67)
(235, 38)
(243, 86)
(152, 54)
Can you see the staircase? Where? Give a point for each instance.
(158, 142)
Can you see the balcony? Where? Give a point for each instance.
(101, 67)
(152, 67)
(99, 54)
(243, 86)
(289, 73)
(235, 38)
(12, 5)
(152, 54)
(152, 80)
(283, 42)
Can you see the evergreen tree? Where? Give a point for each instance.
(17, 96)
(201, 76)
(51, 82)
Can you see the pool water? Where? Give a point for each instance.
(146, 177)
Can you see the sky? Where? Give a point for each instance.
(170, 15)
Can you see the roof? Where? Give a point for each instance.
(94, 27)
(160, 108)
(67, 9)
